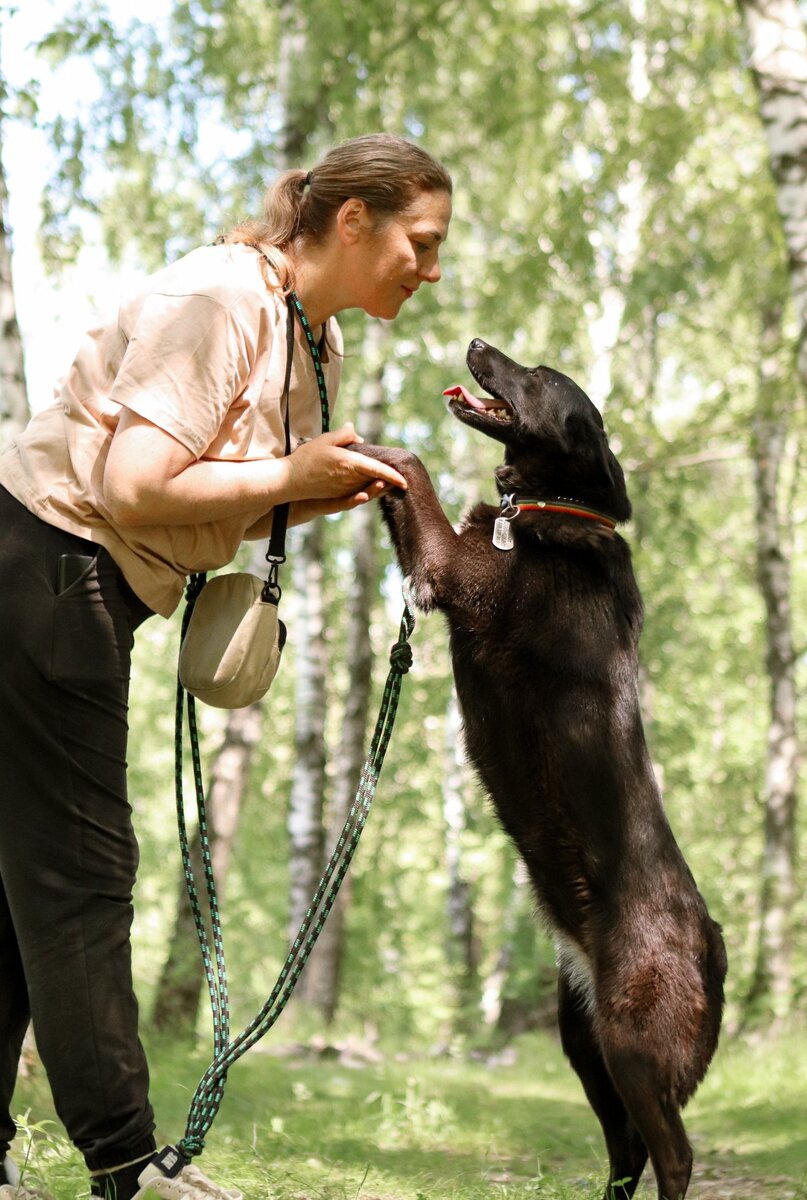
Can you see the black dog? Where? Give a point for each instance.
(544, 616)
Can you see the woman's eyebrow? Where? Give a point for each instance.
(430, 233)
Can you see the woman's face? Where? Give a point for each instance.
(392, 261)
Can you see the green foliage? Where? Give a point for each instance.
(535, 108)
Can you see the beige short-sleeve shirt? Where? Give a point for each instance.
(199, 349)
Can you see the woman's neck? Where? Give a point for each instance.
(318, 283)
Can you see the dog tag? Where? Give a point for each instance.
(502, 534)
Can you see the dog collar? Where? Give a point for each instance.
(512, 505)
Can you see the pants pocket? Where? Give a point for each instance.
(91, 635)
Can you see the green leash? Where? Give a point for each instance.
(210, 1091)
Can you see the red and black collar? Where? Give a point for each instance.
(512, 505)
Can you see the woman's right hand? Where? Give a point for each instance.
(325, 469)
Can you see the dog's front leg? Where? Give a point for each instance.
(424, 540)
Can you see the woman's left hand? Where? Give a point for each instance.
(305, 510)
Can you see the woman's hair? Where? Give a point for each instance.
(384, 171)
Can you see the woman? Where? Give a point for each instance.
(164, 450)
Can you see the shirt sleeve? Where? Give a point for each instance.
(187, 360)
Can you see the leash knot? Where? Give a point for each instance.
(401, 657)
(191, 1146)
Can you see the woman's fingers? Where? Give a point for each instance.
(306, 510)
(325, 468)
(374, 468)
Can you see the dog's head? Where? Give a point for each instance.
(554, 438)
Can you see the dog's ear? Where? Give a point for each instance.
(588, 440)
(605, 458)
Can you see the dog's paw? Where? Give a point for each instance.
(402, 460)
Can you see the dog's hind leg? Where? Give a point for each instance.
(627, 1152)
(644, 1082)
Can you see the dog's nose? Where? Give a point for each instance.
(477, 344)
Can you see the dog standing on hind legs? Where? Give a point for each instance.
(544, 618)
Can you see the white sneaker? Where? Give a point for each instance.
(189, 1184)
(15, 1189)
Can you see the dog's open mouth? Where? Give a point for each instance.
(489, 406)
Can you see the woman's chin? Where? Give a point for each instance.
(384, 312)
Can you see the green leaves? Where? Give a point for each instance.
(608, 159)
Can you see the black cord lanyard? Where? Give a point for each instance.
(294, 300)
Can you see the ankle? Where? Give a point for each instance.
(120, 1182)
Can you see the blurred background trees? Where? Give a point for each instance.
(619, 214)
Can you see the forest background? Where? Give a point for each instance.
(630, 207)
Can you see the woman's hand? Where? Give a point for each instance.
(324, 469)
(301, 511)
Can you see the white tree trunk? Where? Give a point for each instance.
(308, 780)
(176, 1002)
(772, 985)
(13, 392)
(777, 45)
(463, 948)
(324, 970)
(616, 249)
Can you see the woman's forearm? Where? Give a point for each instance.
(152, 479)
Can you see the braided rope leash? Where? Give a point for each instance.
(209, 1093)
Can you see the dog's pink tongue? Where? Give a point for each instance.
(471, 401)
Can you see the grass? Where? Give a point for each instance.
(293, 1128)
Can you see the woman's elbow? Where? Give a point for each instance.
(126, 500)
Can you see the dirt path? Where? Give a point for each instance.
(716, 1181)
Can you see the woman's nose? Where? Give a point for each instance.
(432, 272)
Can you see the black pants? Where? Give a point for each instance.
(68, 854)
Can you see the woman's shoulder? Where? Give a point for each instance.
(229, 274)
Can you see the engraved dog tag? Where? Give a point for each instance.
(502, 534)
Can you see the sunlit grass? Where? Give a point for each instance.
(301, 1128)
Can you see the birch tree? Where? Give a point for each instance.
(777, 42)
(13, 392)
(179, 990)
(325, 969)
(777, 58)
(617, 244)
(771, 992)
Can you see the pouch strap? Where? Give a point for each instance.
(276, 550)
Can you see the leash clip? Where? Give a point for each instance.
(509, 507)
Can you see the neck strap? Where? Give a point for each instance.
(295, 306)
(512, 505)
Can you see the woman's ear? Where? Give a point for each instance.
(351, 219)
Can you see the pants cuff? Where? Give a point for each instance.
(120, 1156)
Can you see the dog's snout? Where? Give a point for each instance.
(477, 344)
